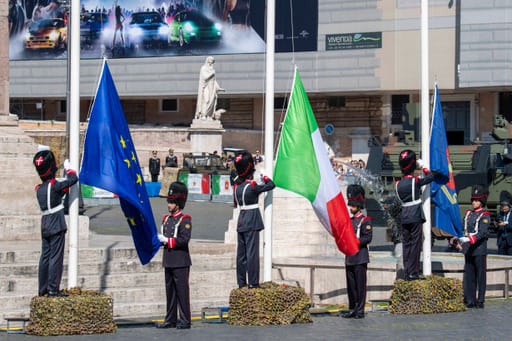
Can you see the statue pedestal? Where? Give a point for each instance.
(206, 136)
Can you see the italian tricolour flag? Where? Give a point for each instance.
(303, 167)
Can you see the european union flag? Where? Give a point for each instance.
(110, 162)
(442, 189)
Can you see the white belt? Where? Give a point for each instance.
(249, 207)
(53, 210)
(411, 203)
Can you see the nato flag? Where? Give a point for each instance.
(110, 162)
(442, 189)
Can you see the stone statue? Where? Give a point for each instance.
(206, 108)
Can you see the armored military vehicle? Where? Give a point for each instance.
(489, 164)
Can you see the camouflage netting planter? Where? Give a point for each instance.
(269, 305)
(430, 296)
(82, 312)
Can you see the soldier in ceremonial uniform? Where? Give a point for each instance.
(50, 194)
(408, 190)
(175, 235)
(474, 245)
(250, 223)
(357, 264)
(154, 166)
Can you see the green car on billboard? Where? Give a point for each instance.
(193, 26)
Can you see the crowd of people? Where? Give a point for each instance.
(350, 167)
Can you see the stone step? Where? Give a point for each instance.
(23, 251)
(118, 267)
(26, 227)
(15, 285)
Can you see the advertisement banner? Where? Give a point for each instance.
(351, 41)
(38, 29)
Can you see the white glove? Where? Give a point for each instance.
(420, 163)
(464, 240)
(67, 165)
(162, 238)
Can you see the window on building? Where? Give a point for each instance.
(506, 105)
(63, 107)
(170, 104)
(398, 103)
(224, 103)
(280, 103)
(336, 101)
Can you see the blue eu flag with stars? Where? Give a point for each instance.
(110, 162)
(442, 189)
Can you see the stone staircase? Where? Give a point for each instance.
(138, 291)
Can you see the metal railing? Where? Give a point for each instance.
(312, 269)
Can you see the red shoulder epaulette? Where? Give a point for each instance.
(37, 187)
(367, 219)
(253, 183)
(164, 217)
(486, 213)
(186, 216)
(468, 210)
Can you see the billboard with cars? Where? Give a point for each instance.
(38, 29)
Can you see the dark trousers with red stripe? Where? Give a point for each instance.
(475, 279)
(178, 295)
(356, 287)
(412, 238)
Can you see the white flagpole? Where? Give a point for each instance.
(269, 137)
(425, 136)
(74, 138)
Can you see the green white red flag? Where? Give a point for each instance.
(303, 167)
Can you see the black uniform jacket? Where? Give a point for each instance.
(178, 256)
(364, 225)
(171, 161)
(505, 232)
(412, 212)
(154, 165)
(476, 223)
(246, 197)
(52, 220)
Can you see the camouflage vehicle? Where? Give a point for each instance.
(489, 164)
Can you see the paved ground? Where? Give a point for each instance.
(491, 323)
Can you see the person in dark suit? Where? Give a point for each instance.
(154, 166)
(250, 223)
(171, 160)
(408, 190)
(503, 223)
(357, 264)
(474, 246)
(49, 195)
(175, 235)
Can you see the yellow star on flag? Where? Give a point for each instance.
(123, 142)
(127, 163)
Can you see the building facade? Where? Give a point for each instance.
(360, 91)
